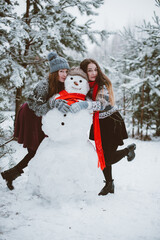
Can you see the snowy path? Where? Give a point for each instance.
(132, 213)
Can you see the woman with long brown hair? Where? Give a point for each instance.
(108, 129)
(28, 123)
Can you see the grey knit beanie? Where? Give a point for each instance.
(56, 62)
(77, 71)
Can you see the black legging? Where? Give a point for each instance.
(24, 162)
(112, 156)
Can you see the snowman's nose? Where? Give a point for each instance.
(75, 83)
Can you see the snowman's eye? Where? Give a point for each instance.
(71, 78)
(80, 81)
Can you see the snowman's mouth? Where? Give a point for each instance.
(76, 88)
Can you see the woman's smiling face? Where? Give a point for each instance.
(92, 72)
(62, 74)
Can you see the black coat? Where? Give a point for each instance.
(113, 130)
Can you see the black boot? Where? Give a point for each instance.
(108, 188)
(10, 175)
(131, 153)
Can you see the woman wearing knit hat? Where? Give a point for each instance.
(28, 123)
(108, 129)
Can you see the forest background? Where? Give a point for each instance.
(130, 58)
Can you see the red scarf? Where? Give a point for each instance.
(96, 128)
(71, 97)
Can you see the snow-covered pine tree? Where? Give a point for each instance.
(43, 25)
(150, 88)
(123, 56)
(137, 73)
(4, 148)
(157, 85)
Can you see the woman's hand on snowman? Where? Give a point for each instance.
(61, 105)
(76, 107)
(51, 102)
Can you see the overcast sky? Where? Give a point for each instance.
(115, 14)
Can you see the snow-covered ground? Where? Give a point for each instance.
(132, 213)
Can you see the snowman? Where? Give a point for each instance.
(65, 165)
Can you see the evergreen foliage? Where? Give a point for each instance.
(43, 26)
(26, 39)
(46, 25)
(137, 78)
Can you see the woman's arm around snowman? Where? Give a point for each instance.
(37, 100)
(101, 103)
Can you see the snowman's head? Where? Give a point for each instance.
(76, 81)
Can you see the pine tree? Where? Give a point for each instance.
(136, 71)
(44, 26)
(150, 88)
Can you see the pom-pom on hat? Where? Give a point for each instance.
(77, 71)
(56, 62)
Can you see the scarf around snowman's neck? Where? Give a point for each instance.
(96, 129)
(71, 97)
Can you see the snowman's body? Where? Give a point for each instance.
(65, 162)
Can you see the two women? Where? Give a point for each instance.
(28, 124)
(108, 129)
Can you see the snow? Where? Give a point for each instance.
(131, 213)
(57, 196)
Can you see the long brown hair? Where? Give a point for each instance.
(101, 79)
(55, 86)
